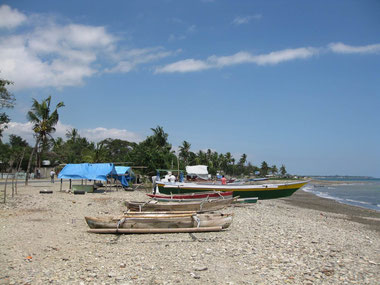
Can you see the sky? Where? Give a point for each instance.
(286, 82)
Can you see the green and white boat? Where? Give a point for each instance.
(261, 191)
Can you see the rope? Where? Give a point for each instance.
(197, 220)
(119, 224)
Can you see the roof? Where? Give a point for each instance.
(90, 171)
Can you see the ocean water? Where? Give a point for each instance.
(363, 193)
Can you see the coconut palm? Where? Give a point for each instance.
(264, 168)
(283, 170)
(184, 152)
(43, 124)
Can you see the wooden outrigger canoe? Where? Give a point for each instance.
(191, 196)
(261, 191)
(198, 206)
(164, 221)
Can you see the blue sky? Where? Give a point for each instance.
(288, 82)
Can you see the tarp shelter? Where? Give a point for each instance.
(89, 171)
(124, 174)
(197, 171)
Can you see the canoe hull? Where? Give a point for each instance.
(161, 221)
(198, 206)
(262, 192)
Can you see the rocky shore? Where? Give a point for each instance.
(302, 239)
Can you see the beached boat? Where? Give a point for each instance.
(191, 196)
(261, 191)
(156, 221)
(199, 206)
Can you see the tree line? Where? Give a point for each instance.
(155, 152)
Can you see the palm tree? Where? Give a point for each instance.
(43, 124)
(264, 168)
(159, 136)
(243, 159)
(274, 169)
(72, 134)
(184, 152)
(283, 170)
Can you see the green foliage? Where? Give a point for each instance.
(7, 100)
(43, 126)
(283, 170)
(155, 152)
(264, 169)
(12, 153)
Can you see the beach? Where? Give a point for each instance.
(302, 239)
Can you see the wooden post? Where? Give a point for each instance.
(70, 185)
(16, 183)
(19, 167)
(60, 188)
(178, 168)
(5, 189)
(13, 186)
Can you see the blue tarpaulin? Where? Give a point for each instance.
(120, 170)
(124, 174)
(89, 171)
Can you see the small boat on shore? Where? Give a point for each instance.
(261, 191)
(199, 206)
(191, 196)
(160, 222)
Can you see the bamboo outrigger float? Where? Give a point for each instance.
(261, 191)
(160, 222)
(198, 206)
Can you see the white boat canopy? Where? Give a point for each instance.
(197, 170)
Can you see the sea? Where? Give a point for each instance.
(360, 192)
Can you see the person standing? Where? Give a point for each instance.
(52, 174)
(224, 180)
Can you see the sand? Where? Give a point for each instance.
(302, 239)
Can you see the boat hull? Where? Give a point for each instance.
(198, 206)
(262, 192)
(151, 221)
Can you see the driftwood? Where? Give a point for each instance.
(155, 231)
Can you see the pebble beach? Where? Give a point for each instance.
(302, 239)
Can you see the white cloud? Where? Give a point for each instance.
(192, 29)
(343, 48)
(100, 133)
(10, 18)
(192, 65)
(136, 57)
(240, 20)
(24, 130)
(285, 55)
(55, 55)
(187, 65)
